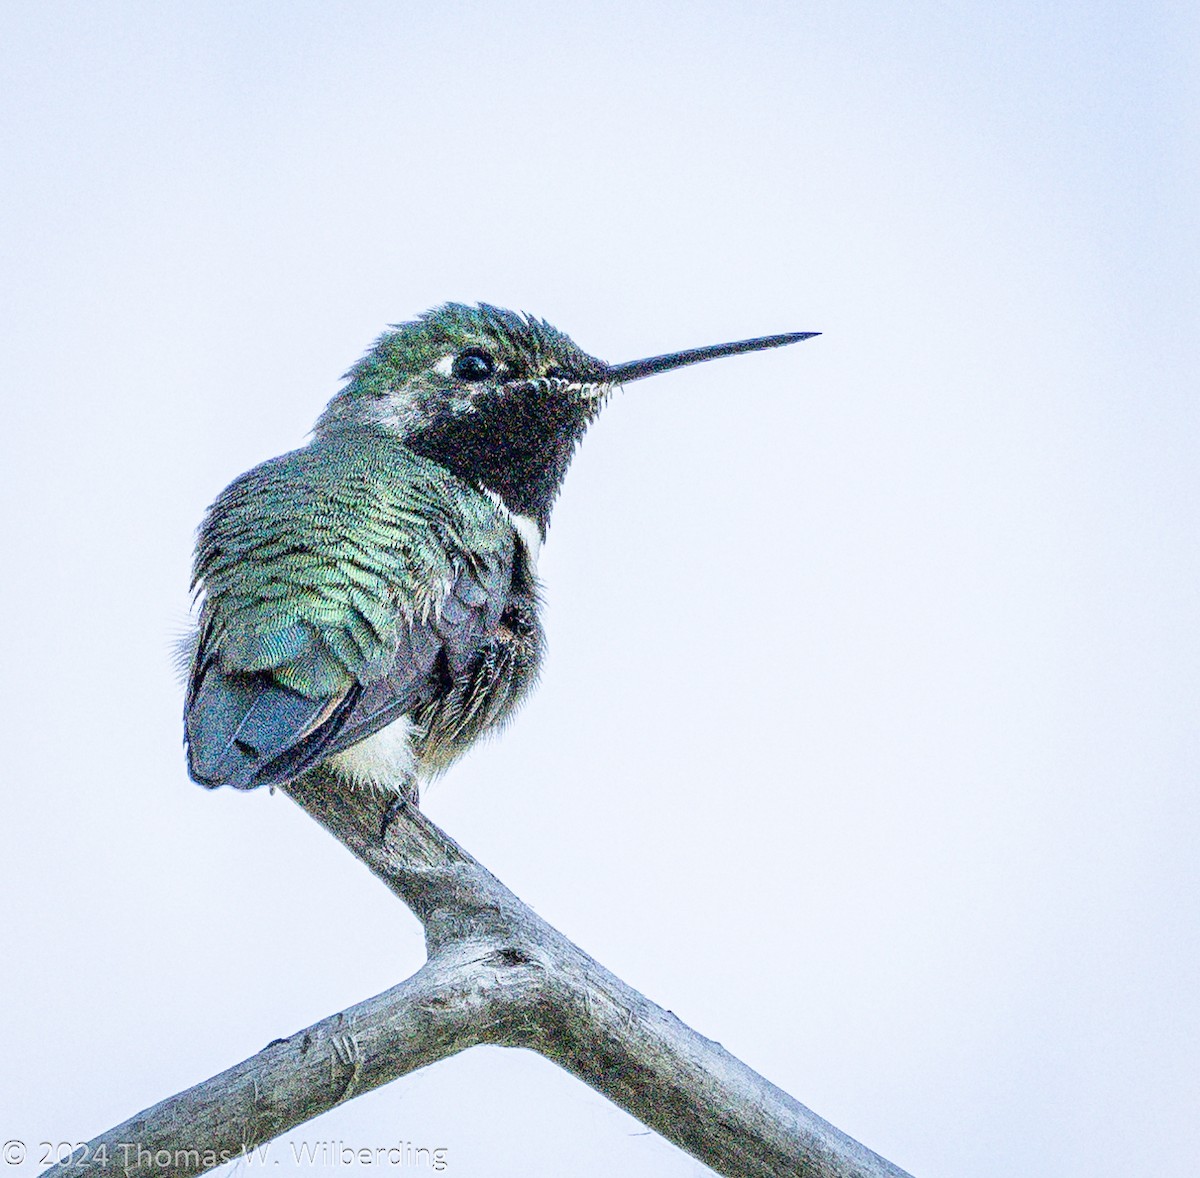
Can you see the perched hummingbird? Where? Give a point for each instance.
(371, 600)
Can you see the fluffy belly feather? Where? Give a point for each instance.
(384, 761)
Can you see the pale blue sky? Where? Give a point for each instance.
(867, 741)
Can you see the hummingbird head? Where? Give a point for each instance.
(500, 399)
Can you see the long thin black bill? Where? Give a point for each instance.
(636, 369)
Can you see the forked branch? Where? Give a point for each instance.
(496, 973)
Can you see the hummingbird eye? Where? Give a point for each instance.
(473, 364)
(556, 373)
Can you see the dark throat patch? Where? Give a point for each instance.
(516, 442)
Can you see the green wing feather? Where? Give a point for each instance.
(311, 563)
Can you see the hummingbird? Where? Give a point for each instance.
(370, 601)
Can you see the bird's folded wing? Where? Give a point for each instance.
(340, 589)
(440, 651)
(246, 729)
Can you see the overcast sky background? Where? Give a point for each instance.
(867, 742)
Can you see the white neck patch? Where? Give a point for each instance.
(525, 526)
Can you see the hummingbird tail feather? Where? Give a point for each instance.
(247, 730)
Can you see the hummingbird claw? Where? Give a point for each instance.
(393, 811)
(407, 796)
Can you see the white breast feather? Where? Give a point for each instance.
(526, 527)
(382, 762)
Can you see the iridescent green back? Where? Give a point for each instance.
(311, 562)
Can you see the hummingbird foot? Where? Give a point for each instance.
(408, 794)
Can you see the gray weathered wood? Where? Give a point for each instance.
(496, 973)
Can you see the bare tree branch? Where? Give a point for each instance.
(496, 973)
